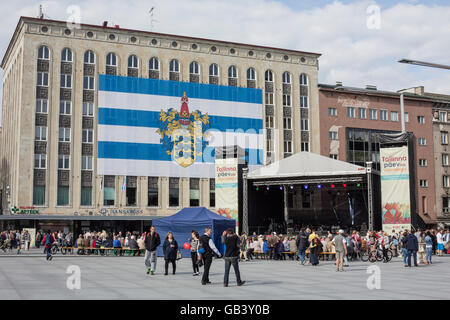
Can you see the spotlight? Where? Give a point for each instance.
(268, 188)
(257, 188)
(358, 185)
(306, 187)
(345, 185)
(292, 187)
(332, 186)
(281, 187)
(319, 186)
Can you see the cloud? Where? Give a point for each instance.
(351, 52)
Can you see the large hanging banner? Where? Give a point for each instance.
(395, 196)
(161, 128)
(227, 200)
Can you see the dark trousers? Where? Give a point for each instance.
(194, 262)
(207, 264)
(166, 265)
(228, 263)
(414, 254)
(48, 251)
(273, 254)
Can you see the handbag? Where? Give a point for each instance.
(179, 255)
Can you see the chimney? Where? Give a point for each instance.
(105, 24)
(371, 87)
(117, 26)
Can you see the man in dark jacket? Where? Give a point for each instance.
(48, 242)
(206, 244)
(152, 241)
(232, 245)
(412, 245)
(302, 245)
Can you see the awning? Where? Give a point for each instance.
(76, 217)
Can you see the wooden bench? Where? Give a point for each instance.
(107, 251)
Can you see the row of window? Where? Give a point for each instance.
(373, 114)
(445, 182)
(109, 194)
(65, 81)
(40, 162)
(154, 65)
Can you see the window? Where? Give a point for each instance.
(332, 112)
(212, 193)
(288, 146)
(213, 70)
(88, 83)
(351, 112)
(40, 161)
(111, 60)
(446, 204)
(286, 77)
(445, 181)
(394, 116)
(194, 192)
(43, 53)
(86, 196)
(87, 136)
(421, 119)
(153, 192)
(174, 192)
(269, 97)
(445, 159)
(64, 134)
(41, 105)
(133, 62)
(131, 191)
(287, 123)
(88, 109)
(174, 66)
(39, 195)
(269, 145)
(442, 116)
(303, 79)
(304, 146)
(269, 121)
(304, 125)
(333, 156)
(86, 163)
(232, 72)
(333, 135)
(423, 162)
(422, 141)
(406, 117)
(384, 115)
(65, 107)
(268, 76)
(153, 64)
(42, 79)
(89, 57)
(251, 74)
(41, 133)
(444, 137)
(304, 91)
(109, 191)
(194, 68)
(63, 161)
(424, 204)
(362, 113)
(286, 100)
(66, 55)
(66, 81)
(373, 114)
(423, 183)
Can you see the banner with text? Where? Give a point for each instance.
(395, 196)
(227, 188)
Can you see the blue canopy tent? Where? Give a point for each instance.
(183, 222)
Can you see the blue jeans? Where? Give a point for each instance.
(429, 252)
(301, 255)
(404, 255)
(228, 263)
(414, 254)
(48, 251)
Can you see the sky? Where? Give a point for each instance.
(360, 40)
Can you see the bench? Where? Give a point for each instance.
(106, 251)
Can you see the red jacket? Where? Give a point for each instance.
(52, 239)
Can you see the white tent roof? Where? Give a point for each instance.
(306, 164)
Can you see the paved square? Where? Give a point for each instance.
(30, 276)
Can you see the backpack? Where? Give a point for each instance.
(48, 240)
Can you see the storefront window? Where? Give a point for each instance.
(174, 192)
(194, 194)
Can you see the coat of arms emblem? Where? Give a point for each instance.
(182, 133)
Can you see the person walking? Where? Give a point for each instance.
(207, 244)
(232, 245)
(194, 247)
(170, 248)
(341, 249)
(48, 242)
(302, 244)
(243, 246)
(152, 241)
(26, 240)
(412, 246)
(440, 243)
(428, 247)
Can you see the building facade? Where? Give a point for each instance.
(351, 118)
(50, 101)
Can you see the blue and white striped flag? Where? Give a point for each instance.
(123, 184)
(149, 127)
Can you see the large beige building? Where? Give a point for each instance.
(49, 117)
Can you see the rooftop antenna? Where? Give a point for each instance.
(152, 21)
(41, 12)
